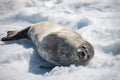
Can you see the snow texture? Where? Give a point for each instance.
(97, 21)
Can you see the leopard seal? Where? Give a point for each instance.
(55, 43)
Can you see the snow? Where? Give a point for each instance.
(97, 21)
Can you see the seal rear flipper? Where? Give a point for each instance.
(10, 33)
(15, 35)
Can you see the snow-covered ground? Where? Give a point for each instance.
(98, 21)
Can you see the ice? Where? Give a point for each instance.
(97, 21)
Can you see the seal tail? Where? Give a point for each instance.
(15, 35)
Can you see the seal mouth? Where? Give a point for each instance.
(82, 56)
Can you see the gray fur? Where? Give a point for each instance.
(56, 44)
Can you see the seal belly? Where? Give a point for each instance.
(57, 49)
(38, 32)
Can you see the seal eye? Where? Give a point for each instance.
(83, 47)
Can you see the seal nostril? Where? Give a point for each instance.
(82, 53)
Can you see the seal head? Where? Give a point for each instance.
(84, 53)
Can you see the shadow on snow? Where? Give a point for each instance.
(35, 60)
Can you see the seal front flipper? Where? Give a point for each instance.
(47, 66)
(15, 35)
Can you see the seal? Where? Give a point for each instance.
(56, 44)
